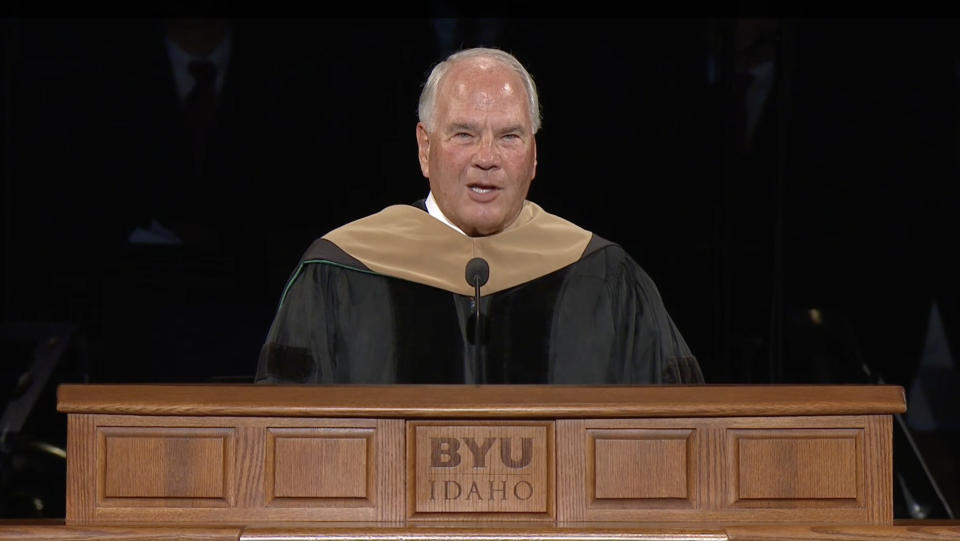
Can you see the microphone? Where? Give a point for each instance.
(477, 273)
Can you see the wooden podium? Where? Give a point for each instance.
(259, 462)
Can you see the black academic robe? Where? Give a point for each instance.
(597, 319)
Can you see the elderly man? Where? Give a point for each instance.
(474, 284)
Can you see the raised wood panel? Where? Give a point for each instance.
(797, 464)
(326, 463)
(463, 470)
(649, 487)
(795, 468)
(245, 493)
(165, 462)
(643, 464)
(325, 469)
(714, 498)
(863, 508)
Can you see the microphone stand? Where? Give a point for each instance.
(477, 274)
(481, 366)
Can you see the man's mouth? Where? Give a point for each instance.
(480, 188)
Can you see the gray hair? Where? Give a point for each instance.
(428, 96)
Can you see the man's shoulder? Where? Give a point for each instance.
(600, 244)
(612, 262)
(327, 249)
(322, 250)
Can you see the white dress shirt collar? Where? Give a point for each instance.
(434, 211)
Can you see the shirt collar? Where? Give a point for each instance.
(434, 211)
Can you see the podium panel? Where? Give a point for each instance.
(462, 470)
(448, 454)
(131, 468)
(479, 463)
(822, 468)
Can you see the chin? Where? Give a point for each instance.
(478, 225)
(487, 230)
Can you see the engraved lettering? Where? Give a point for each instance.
(502, 490)
(458, 468)
(526, 454)
(479, 452)
(444, 452)
(529, 490)
(446, 490)
(474, 490)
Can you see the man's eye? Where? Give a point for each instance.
(462, 135)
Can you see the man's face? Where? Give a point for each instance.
(482, 155)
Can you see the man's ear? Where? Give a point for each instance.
(423, 149)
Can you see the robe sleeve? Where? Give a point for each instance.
(611, 327)
(647, 334)
(290, 353)
(334, 325)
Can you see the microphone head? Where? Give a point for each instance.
(478, 271)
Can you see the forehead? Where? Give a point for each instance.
(482, 84)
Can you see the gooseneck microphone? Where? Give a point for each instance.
(477, 274)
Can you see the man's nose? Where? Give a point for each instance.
(486, 157)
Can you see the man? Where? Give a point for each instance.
(386, 299)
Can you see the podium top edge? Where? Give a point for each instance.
(480, 401)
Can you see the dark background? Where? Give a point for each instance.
(813, 254)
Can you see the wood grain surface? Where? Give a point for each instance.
(131, 468)
(462, 470)
(176, 462)
(914, 532)
(55, 530)
(482, 401)
(795, 469)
